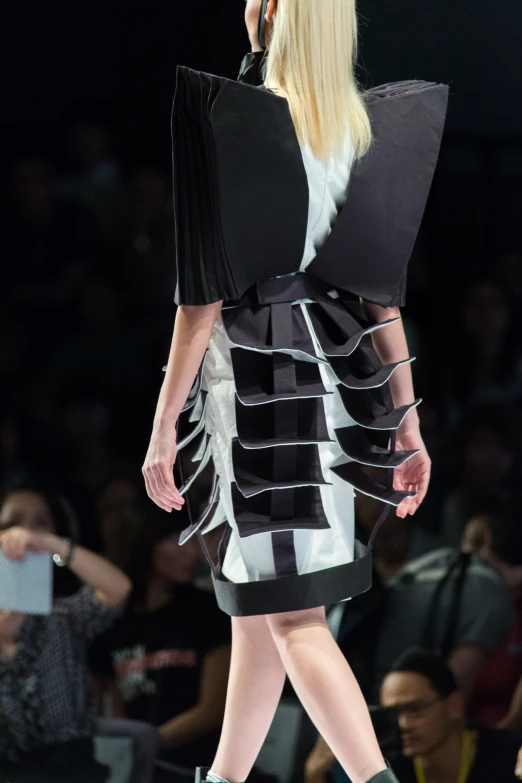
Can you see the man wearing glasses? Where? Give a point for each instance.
(421, 693)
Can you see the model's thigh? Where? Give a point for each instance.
(283, 622)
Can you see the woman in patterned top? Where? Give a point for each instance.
(46, 722)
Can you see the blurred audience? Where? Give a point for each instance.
(487, 364)
(496, 536)
(34, 504)
(486, 449)
(94, 178)
(47, 724)
(168, 656)
(50, 242)
(119, 497)
(421, 694)
(86, 316)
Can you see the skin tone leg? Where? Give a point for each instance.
(328, 690)
(255, 684)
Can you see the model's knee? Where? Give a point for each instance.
(283, 623)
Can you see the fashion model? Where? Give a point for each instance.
(297, 205)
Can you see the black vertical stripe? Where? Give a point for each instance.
(284, 553)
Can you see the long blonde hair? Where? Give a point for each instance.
(311, 57)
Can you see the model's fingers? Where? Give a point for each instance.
(165, 494)
(152, 491)
(422, 487)
(167, 481)
(160, 497)
(403, 507)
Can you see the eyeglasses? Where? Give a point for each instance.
(414, 709)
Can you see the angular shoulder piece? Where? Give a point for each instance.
(372, 240)
(240, 188)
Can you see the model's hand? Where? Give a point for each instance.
(17, 541)
(414, 475)
(158, 465)
(253, 9)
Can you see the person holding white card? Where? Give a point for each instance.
(46, 720)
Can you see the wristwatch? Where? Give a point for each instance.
(61, 563)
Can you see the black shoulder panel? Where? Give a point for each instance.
(372, 239)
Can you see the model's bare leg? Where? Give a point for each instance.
(328, 690)
(255, 684)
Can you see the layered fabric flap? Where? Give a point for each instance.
(284, 423)
(211, 505)
(337, 330)
(203, 462)
(277, 327)
(284, 467)
(196, 417)
(265, 378)
(195, 391)
(371, 447)
(369, 409)
(355, 375)
(353, 474)
(290, 509)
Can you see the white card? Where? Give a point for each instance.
(26, 586)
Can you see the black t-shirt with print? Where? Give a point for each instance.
(156, 659)
(495, 759)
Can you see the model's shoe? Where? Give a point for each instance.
(201, 774)
(386, 776)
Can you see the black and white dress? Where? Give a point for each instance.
(292, 403)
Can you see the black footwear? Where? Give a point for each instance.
(201, 774)
(386, 776)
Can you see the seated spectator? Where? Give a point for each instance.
(445, 600)
(168, 656)
(487, 449)
(34, 504)
(497, 537)
(449, 601)
(492, 371)
(47, 725)
(421, 691)
(118, 498)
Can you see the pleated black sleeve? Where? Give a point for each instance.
(240, 188)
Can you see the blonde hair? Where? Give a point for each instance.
(311, 56)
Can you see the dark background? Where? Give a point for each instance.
(114, 64)
(87, 261)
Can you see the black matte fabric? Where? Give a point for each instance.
(359, 445)
(368, 251)
(306, 591)
(252, 327)
(282, 423)
(235, 156)
(255, 515)
(253, 69)
(241, 190)
(255, 473)
(255, 382)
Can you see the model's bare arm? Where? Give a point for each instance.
(192, 331)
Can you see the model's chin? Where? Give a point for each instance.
(411, 748)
